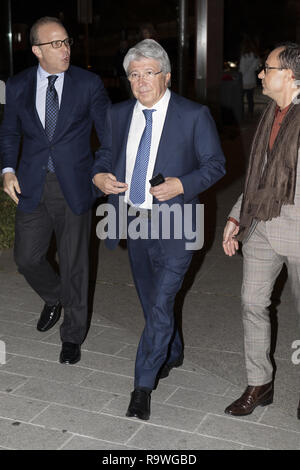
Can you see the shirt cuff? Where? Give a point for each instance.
(8, 170)
(232, 219)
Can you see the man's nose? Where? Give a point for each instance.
(142, 76)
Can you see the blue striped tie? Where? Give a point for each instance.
(138, 180)
(52, 109)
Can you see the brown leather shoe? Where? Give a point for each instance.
(252, 397)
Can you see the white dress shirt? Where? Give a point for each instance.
(136, 130)
(40, 101)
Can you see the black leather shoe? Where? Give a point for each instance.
(70, 353)
(139, 406)
(166, 369)
(252, 397)
(49, 316)
(298, 411)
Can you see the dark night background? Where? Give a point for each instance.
(266, 22)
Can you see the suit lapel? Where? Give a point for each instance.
(31, 101)
(124, 126)
(68, 100)
(168, 142)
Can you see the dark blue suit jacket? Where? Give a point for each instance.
(84, 101)
(189, 149)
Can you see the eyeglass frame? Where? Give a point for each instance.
(57, 40)
(150, 77)
(266, 67)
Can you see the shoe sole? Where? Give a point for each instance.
(135, 415)
(69, 363)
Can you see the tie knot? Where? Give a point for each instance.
(148, 113)
(51, 80)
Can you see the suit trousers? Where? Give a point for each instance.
(261, 267)
(33, 232)
(158, 277)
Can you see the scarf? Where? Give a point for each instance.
(271, 184)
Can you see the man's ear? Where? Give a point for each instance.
(37, 51)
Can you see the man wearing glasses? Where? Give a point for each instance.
(52, 108)
(172, 141)
(266, 218)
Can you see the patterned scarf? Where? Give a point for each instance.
(270, 184)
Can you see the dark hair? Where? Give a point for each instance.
(289, 57)
(34, 39)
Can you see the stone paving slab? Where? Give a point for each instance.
(255, 434)
(89, 424)
(122, 385)
(120, 334)
(112, 383)
(31, 348)
(17, 316)
(128, 352)
(19, 331)
(196, 381)
(102, 344)
(64, 394)
(22, 436)
(19, 408)
(105, 362)
(9, 382)
(88, 443)
(40, 368)
(28, 302)
(274, 416)
(154, 437)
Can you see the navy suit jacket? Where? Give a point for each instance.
(84, 101)
(189, 149)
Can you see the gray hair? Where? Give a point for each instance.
(289, 58)
(149, 49)
(34, 37)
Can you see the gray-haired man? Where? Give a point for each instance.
(158, 133)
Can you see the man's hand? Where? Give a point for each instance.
(172, 187)
(11, 186)
(230, 245)
(108, 184)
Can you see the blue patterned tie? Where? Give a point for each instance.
(138, 180)
(52, 108)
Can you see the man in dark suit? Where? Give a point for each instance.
(52, 107)
(157, 133)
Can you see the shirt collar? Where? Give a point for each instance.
(43, 75)
(159, 106)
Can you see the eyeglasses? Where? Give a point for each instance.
(266, 67)
(148, 75)
(57, 44)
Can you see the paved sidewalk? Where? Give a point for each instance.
(46, 405)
